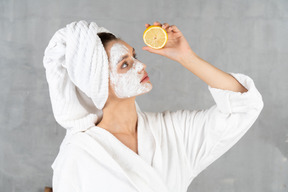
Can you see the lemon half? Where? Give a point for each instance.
(155, 37)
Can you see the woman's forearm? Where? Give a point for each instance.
(210, 74)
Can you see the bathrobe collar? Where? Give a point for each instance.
(138, 168)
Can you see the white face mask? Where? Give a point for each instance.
(126, 84)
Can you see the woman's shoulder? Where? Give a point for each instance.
(68, 154)
(169, 116)
(167, 113)
(71, 152)
(150, 116)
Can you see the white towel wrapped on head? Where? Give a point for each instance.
(76, 66)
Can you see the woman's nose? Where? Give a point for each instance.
(144, 67)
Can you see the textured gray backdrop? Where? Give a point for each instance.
(244, 36)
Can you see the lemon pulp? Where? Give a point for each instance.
(155, 37)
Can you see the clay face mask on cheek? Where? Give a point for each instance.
(126, 84)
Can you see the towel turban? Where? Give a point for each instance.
(77, 72)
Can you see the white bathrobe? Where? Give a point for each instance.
(173, 146)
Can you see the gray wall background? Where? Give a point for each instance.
(243, 36)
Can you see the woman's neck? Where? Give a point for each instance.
(120, 117)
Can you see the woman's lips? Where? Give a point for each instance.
(145, 79)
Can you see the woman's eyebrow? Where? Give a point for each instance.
(125, 56)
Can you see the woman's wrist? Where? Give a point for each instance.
(188, 57)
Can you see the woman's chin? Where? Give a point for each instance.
(147, 89)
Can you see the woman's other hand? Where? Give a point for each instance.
(176, 47)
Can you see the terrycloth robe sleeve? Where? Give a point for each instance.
(208, 134)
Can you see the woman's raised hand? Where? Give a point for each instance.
(176, 47)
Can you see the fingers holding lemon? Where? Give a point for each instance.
(166, 40)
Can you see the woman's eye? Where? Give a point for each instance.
(123, 65)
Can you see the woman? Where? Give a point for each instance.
(126, 82)
(130, 150)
